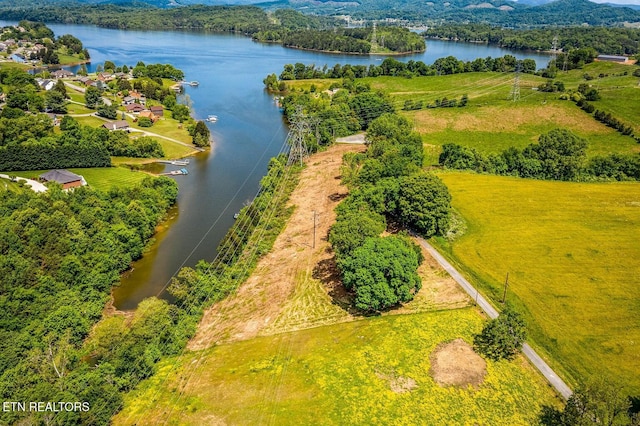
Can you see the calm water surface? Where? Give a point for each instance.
(249, 131)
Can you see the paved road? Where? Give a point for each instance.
(35, 185)
(533, 357)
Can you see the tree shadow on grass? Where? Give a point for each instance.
(326, 271)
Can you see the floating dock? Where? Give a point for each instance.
(175, 162)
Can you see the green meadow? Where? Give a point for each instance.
(491, 122)
(571, 252)
(372, 371)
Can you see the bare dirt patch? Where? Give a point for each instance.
(456, 364)
(260, 300)
(399, 384)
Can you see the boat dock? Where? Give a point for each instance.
(175, 162)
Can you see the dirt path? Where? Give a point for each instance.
(295, 286)
(258, 302)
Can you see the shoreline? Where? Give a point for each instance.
(334, 52)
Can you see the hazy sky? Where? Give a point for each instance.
(636, 2)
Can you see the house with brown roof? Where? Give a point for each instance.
(134, 108)
(139, 97)
(157, 110)
(116, 125)
(148, 114)
(62, 74)
(64, 178)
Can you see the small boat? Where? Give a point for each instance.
(182, 171)
(193, 83)
(212, 118)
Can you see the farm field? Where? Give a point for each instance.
(372, 371)
(570, 251)
(100, 178)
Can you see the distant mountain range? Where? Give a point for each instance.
(511, 13)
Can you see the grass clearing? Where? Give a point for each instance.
(571, 252)
(353, 373)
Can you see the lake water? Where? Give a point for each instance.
(249, 131)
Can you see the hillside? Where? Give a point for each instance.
(501, 12)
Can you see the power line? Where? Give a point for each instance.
(515, 91)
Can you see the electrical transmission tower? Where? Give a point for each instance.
(300, 128)
(373, 35)
(554, 49)
(515, 90)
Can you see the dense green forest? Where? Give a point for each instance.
(350, 40)
(60, 253)
(239, 19)
(618, 41)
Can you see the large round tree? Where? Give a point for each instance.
(424, 204)
(382, 272)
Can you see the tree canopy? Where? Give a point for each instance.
(382, 272)
(502, 337)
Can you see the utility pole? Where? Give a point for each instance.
(506, 283)
(315, 221)
(299, 129)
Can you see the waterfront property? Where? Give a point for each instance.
(64, 177)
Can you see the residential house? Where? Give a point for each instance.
(116, 125)
(62, 74)
(157, 110)
(105, 76)
(64, 178)
(139, 97)
(128, 100)
(45, 84)
(134, 108)
(148, 114)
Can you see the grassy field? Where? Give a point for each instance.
(340, 374)
(100, 178)
(571, 252)
(491, 122)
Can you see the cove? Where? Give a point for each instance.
(250, 130)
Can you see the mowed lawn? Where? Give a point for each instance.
(571, 251)
(338, 375)
(101, 178)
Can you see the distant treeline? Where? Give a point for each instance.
(613, 41)
(393, 67)
(350, 40)
(289, 27)
(558, 155)
(241, 19)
